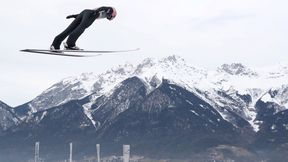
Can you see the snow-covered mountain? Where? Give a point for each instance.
(233, 87)
(166, 116)
(165, 104)
(7, 117)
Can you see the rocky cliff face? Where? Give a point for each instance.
(7, 117)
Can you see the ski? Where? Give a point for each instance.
(83, 51)
(69, 52)
(56, 53)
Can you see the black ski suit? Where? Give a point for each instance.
(78, 26)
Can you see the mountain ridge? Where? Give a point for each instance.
(160, 104)
(231, 79)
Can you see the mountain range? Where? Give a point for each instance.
(163, 108)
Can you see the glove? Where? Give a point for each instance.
(71, 16)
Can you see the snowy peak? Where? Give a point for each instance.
(173, 60)
(173, 68)
(145, 64)
(160, 64)
(228, 86)
(236, 69)
(125, 69)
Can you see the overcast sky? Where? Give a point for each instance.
(206, 33)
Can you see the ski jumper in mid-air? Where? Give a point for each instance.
(78, 26)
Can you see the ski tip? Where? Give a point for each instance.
(24, 50)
